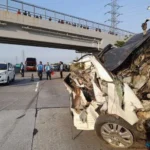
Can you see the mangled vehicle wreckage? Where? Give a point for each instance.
(112, 94)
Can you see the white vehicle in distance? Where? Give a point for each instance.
(7, 73)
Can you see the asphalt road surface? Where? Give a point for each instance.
(35, 116)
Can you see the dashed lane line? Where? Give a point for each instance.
(37, 86)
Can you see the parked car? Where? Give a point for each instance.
(112, 96)
(55, 67)
(7, 73)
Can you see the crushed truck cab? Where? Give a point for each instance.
(112, 94)
(106, 98)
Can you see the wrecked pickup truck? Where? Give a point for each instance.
(110, 93)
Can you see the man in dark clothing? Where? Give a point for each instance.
(40, 70)
(22, 69)
(40, 17)
(144, 26)
(25, 13)
(50, 19)
(29, 14)
(61, 69)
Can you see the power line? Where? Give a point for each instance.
(133, 12)
(137, 14)
(114, 14)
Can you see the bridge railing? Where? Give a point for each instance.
(51, 15)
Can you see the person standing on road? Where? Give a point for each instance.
(61, 69)
(40, 70)
(22, 69)
(48, 70)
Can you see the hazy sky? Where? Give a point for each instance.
(134, 13)
(9, 53)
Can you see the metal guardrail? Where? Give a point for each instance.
(62, 18)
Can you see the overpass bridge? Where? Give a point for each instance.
(47, 28)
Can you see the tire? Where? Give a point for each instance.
(13, 79)
(110, 121)
(8, 81)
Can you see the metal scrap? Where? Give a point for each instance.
(137, 73)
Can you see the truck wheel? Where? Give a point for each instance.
(115, 133)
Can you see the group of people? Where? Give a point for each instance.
(73, 24)
(41, 68)
(110, 32)
(64, 22)
(48, 70)
(25, 13)
(99, 30)
(59, 21)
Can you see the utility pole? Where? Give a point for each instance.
(114, 14)
(16, 60)
(23, 56)
(7, 5)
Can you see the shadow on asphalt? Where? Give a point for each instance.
(56, 78)
(25, 82)
(20, 82)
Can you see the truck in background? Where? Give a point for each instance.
(31, 64)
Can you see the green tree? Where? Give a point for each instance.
(119, 43)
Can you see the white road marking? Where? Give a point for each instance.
(37, 86)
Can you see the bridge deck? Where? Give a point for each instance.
(21, 29)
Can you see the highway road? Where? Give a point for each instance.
(35, 116)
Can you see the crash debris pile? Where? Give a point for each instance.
(81, 81)
(76, 66)
(137, 76)
(135, 71)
